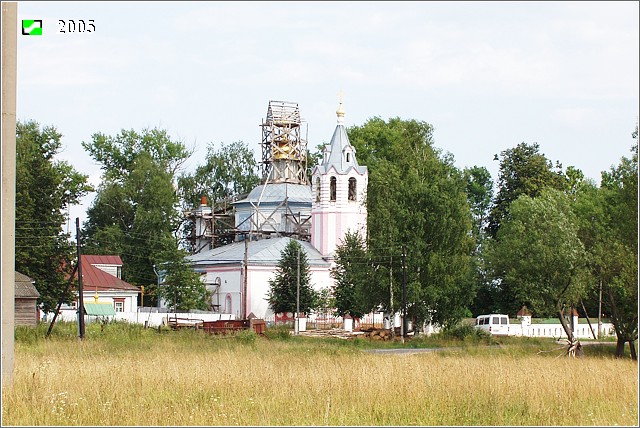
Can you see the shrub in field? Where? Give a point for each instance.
(246, 337)
(278, 333)
(465, 332)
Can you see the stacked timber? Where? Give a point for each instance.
(378, 333)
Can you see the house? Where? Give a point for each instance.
(26, 296)
(101, 275)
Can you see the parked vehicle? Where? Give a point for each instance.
(496, 324)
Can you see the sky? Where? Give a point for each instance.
(486, 75)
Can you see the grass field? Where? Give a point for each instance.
(126, 375)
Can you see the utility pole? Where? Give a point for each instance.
(244, 277)
(80, 292)
(296, 319)
(9, 72)
(404, 295)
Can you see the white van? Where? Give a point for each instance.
(497, 324)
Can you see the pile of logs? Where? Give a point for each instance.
(378, 333)
(370, 333)
(334, 332)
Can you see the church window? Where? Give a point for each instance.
(318, 189)
(352, 189)
(348, 157)
(332, 189)
(227, 304)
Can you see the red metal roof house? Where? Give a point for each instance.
(101, 275)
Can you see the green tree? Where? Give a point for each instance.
(539, 256)
(479, 188)
(135, 212)
(181, 288)
(416, 198)
(45, 188)
(228, 171)
(619, 249)
(232, 170)
(352, 289)
(523, 171)
(283, 288)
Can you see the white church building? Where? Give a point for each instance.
(328, 205)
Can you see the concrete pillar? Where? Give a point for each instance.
(347, 322)
(9, 70)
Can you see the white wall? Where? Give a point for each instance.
(153, 319)
(258, 286)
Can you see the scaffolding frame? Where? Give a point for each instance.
(284, 160)
(284, 151)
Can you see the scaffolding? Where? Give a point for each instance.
(284, 151)
(213, 226)
(284, 162)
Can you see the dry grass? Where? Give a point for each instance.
(186, 379)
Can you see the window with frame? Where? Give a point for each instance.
(332, 189)
(118, 305)
(352, 189)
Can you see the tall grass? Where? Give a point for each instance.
(126, 375)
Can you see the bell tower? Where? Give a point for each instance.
(339, 187)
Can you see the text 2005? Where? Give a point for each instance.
(77, 26)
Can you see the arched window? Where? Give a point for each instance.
(352, 189)
(227, 304)
(318, 189)
(332, 189)
(348, 157)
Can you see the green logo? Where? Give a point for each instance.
(32, 27)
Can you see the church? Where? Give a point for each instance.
(318, 211)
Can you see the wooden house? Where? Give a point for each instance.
(26, 301)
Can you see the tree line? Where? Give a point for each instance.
(542, 235)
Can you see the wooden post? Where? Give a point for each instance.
(80, 290)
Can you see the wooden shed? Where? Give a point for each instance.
(26, 306)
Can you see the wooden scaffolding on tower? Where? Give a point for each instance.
(284, 151)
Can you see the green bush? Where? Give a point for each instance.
(278, 333)
(465, 332)
(246, 337)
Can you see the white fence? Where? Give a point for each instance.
(149, 319)
(581, 331)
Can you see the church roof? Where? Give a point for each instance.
(338, 147)
(266, 252)
(278, 192)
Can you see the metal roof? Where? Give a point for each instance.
(24, 287)
(339, 144)
(99, 309)
(96, 279)
(276, 193)
(265, 252)
(102, 260)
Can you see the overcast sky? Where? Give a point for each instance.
(486, 75)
